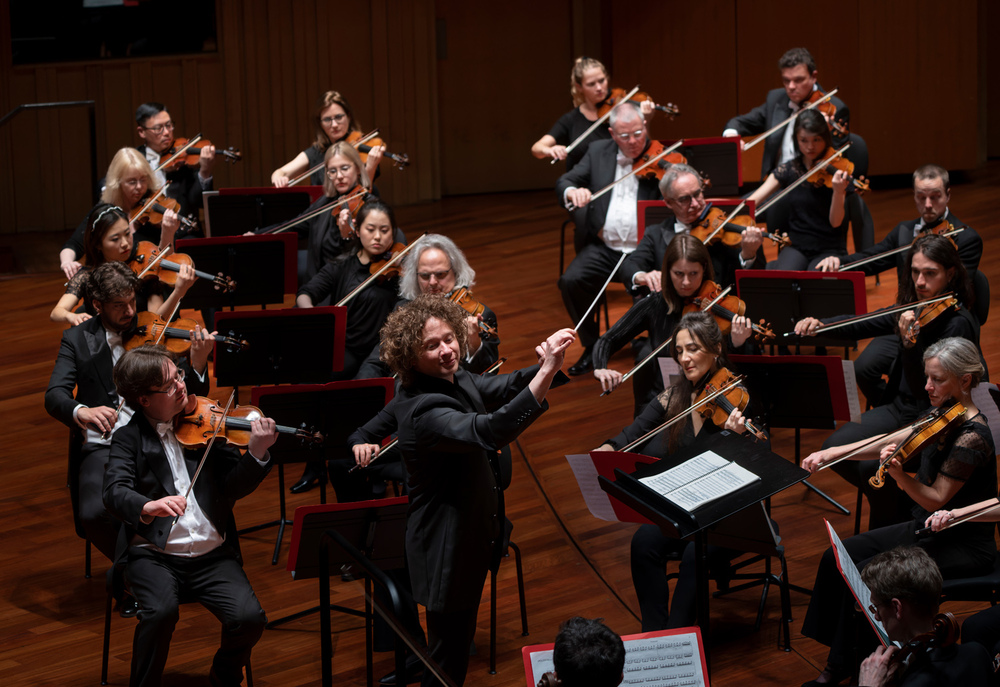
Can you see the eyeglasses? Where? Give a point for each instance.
(873, 607)
(158, 129)
(637, 135)
(684, 201)
(133, 183)
(327, 121)
(176, 383)
(332, 172)
(426, 276)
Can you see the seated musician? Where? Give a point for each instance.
(451, 424)
(683, 192)
(799, 78)
(698, 348)
(817, 217)
(86, 357)
(933, 269)
(128, 182)
(688, 265)
(956, 468)
(610, 228)
(177, 546)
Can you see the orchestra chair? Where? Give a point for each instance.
(509, 545)
(981, 291)
(983, 588)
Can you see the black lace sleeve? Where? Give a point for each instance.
(77, 286)
(972, 448)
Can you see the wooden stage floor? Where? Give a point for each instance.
(51, 617)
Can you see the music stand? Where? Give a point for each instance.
(336, 410)
(287, 346)
(783, 297)
(718, 159)
(776, 474)
(235, 211)
(263, 267)
(779, 383)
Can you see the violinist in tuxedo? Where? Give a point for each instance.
(179, 537)
(610, 227)
(799, 78)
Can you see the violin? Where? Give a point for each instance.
(352, 200)
(149, 329)
(400, 161)
(824, 175)
(708, 229)
(927, 314)
(725, 310)
(191, 156)
(464, 298)
(934, 427)
(718, 410)
(152, 213)
(829, 110)
(386, 267)
(146, 266)
(197, 427)
(643, 170)
(617, 95)
(944, 632)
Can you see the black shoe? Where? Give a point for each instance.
(311, 477)
(128, 607)
(584, 365)
(834, 677)
(414, 671)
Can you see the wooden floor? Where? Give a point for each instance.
(51, 617)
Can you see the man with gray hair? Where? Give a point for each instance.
(607, 227)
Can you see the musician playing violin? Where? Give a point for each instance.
(799, 78)
(956, 469)
(699, 349)
(817, 217)
(590, 88)
(683, 192)
(156, 129)
(334, 123)
(688, 265)
(179, 546)
(610, 227)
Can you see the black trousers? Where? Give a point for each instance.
(874, 361)
(983, 628)
(791, 258)
(581, 282)
(161, 582)
(100, 526)
(449, 636)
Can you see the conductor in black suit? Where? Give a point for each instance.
(799, 77)
(451, 424)
(85, 362)
(610, 227)
(175, 547)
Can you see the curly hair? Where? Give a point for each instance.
(403, 332)
(409, 286)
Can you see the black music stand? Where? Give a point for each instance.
(717, 158)
(336, 410)
(779, 383)
(715, 521)
(783, 297)
(287, 346)
(263, 267)
(235, 211)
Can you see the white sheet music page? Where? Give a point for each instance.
(598, 502)
(851, 382)
(700, 480)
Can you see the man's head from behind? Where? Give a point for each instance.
(905, 585)
(588, 653)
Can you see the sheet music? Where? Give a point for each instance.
(670, 371)
(700, 480)
(851, 384)
(598, 502)
(671, 661)
(685, 473)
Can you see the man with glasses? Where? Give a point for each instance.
(86, 358)
(156, 129)
(180, 538)
(607, 227)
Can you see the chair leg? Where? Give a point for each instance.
(86, 561)
(786, 607)
(107, 640)
(493, 623)
(857, 512)
(520, 588)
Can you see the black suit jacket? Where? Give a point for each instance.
(774, 111)
(595, 171)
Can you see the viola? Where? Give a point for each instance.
(718, 410)
(464, 298)
(724, 310)
(618, 95)
(829, 110)
(934, 427)
(191, 156)
(927, 314)
(146, 266)
(714, 228)
(197, 427)
(399, 160)
(824, 175)
(151, 212)
(150, 328)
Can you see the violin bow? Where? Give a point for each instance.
(887, 438)
(315, 213)
(601, 292)
(894, 251)
(666, 343)
(201, 463)
(751, 144)
(674, 420)
(965, 518)
(788, 189)
(878, 313)
(647, 163)
(597, 123)
(158, 258)
(493, 368)
(389, 263)
(178, 153)
(309, 172)
(726, 221)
